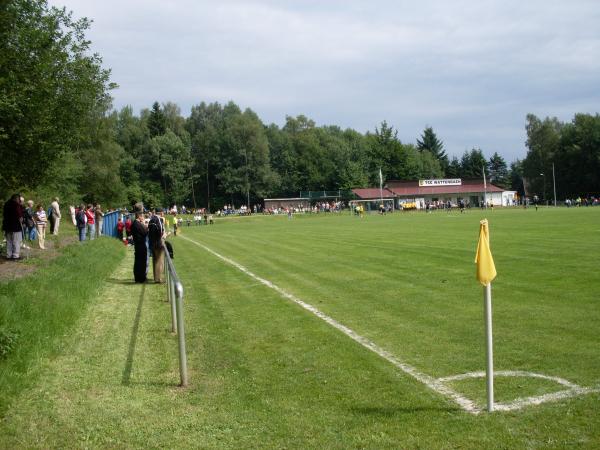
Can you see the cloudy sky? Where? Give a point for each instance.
(471, 69)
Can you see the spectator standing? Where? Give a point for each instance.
(99, 220)
(40, 223)
(24, 230)
(55, 217)
(91, 224)
(12, 225)
(72, 213)
(28, 221)
(139, 231)
(120, 228)
(128, 224)
(81, 221)
(156, 234)
(175, 224)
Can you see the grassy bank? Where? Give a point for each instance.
(38, 310)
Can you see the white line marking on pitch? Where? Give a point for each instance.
(573, 390)
(436, 384)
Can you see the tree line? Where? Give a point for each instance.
(59, 135)
(565, 152)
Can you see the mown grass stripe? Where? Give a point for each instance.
(428, 381)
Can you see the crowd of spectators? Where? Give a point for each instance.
(23, 223)
(318, 207)
(585, 201)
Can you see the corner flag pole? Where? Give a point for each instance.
(489, 346)
(486, 272)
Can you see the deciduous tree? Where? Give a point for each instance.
(50, 83)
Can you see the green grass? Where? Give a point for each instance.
(264, 373)
(38, 311)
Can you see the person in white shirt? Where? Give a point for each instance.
(40, 224)
(55, 218)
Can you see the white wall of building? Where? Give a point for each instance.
(504, 198)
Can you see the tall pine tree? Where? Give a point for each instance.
(498, 171)
(157, 122)
(430, 142)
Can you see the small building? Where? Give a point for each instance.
(418, 193)
(473, 192)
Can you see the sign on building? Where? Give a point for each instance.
(441, 182)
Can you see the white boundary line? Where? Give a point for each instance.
(438, 385)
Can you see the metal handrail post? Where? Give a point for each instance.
(171, 298)
(173, 308)
(181, 334)
(175, 294)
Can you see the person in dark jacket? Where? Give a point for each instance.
(81, 221)
(28, 221)
(12, 225)
(139, 232)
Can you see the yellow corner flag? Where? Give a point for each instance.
(486, 270)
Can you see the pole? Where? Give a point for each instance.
(487, 295)
(484, 187)
(207, 188)
(554, 183)
(247, 180)
(181, 335)
(380, 187)
(173, 306)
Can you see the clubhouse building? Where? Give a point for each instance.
(473, 192)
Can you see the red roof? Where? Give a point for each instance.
(412, 188)
(373, 193)
(432, 190)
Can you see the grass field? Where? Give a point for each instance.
(265, 373)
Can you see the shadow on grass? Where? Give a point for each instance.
(126, 379)
(394, 411)
(150, 384)
(119, 281)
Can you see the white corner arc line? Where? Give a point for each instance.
(510, 373)
(538, 400)
(573, 390)
(435, 385)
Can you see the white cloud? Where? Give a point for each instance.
(471, 69)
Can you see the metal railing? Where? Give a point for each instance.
(175, 299)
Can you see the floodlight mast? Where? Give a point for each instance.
(247, 180)
(554, 183)
(484, 187)
(380, 187)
